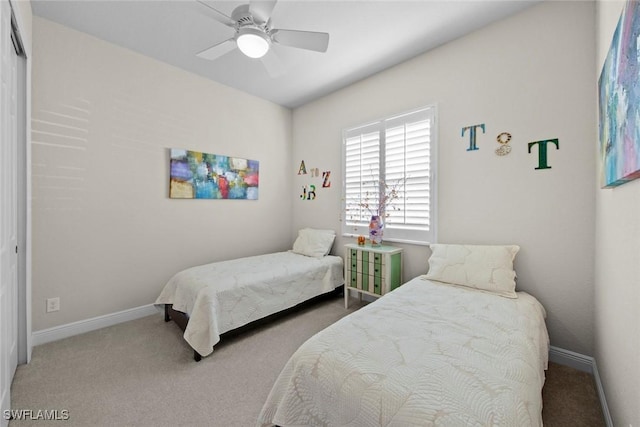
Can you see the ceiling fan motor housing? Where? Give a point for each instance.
(244, 18)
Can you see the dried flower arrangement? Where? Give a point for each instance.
(378, 203)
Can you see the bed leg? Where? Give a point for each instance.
(166, 313)
(196, 356)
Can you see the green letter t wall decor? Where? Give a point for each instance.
(542, 151)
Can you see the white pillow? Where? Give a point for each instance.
(483, 267)
(314, 243)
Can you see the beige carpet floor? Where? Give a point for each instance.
(141, 373)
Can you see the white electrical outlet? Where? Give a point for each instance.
(53, 304)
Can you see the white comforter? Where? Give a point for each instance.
(225, 295)
(427, 354)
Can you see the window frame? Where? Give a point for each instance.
(401, 234)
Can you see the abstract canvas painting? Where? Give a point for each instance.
(619, 93)
(196, 175)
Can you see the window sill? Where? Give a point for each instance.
(392, 240)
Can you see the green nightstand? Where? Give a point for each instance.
(372, 270)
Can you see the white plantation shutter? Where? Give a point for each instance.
(401, 151)
(361, 173)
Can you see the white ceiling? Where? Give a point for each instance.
(365, 37)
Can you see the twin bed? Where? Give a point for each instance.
(426, 354)
(455, 347)
(212, 299)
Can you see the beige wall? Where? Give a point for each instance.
(531, 75)
(106, 237)
(617, 272)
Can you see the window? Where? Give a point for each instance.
(392, 157)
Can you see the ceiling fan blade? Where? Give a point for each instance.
(272, 64)
(216, 14)
(261, 9)
(309, 40)
(216, 51)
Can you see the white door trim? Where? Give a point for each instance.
(23, 20)
(8, 206)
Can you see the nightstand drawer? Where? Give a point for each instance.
(366, 283)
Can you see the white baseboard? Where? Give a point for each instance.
(586, 364)
(76, 328)
(603, 401)
(572, 359)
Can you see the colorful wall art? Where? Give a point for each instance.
(196, 175)
(619, 89)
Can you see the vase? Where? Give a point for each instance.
(376, 226)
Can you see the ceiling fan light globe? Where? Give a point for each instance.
(253, 45)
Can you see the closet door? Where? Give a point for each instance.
(8, 210)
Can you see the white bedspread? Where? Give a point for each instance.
(426, 354)
(225, 295)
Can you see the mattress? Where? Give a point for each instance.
(426, 354)
(222, 296)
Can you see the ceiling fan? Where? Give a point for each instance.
(254, 33)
